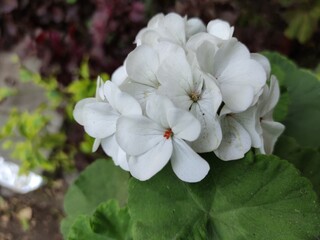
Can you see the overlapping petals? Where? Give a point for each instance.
(186, 89)
(153, 139)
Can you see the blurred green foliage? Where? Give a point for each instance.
(6, 92)
(28, 135)
(302, 17)
(71, 1)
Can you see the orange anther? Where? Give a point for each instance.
(167, 134)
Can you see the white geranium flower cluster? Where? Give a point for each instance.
(185, 89)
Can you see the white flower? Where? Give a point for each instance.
(119, 76)
(193, 91)
(235, 141)
(187, 88)
(220, 29)
(171, 28)
(252, 128)
(269, 129)
(99, 119)
(194, 26)
(239, 77)
(153, 140)
(239, 133)
(141, 66)
(78, 109)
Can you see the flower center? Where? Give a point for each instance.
(168, 133)
(195, 96)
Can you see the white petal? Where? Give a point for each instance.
(248, 119)
(211, 134)
(271, 132)
(121, 101)
(194, 25)
(246, 72)
(96, 144)
(177, 95)
(165, 49)
(235, 142)
(272, 98)
(149, 37)
(139, 91)
(122, 159)
(196, 40)
(183, 124)
(237, 97)
(151, 162)
(205, 110)
(220, 29)
(230, 52)
(211, 93)
(263, 61)
(78, 109)
(138, 134)
(175, 26)
(152, 24)
(119, 75)
(111, 91)
(205, 55)
(111, 147)
(155, 20)
(175, 68)
(187, 164)
(99, 119)
(156, 109)
(142, 64)
(99, 90)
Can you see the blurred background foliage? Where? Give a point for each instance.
(76, 40)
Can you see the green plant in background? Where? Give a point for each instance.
(82, 87)
(6, 92)
(27, 135)
(298, 19)
(302, 17)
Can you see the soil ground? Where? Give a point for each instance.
(33, 216)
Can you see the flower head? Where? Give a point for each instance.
(154, 139)
(185, 89)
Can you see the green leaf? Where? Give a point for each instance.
(317, 71)
(259, 197)
(81, 230)
(303, 89)
(307, 160)
(281, 110)
(99, 182)
(109, 221)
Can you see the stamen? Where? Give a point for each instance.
(194, 96)
(168, 133)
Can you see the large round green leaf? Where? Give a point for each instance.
(301, 91)
(259, 197)
(99, 182)
(307, 160)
